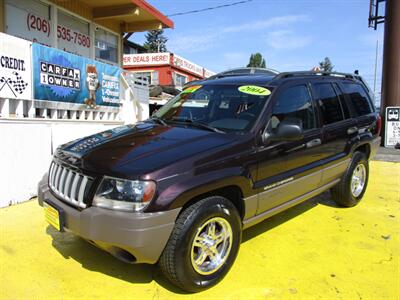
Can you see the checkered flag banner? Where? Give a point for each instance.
(19, 84)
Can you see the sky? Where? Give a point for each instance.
(290, 34)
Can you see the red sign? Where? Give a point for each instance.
(146, 59)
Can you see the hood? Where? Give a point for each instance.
(134, 150)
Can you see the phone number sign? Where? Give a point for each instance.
(392, 128)
(68, 39)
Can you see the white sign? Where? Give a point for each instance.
(147, 59)
(392, 128)
(15, 67)
(187, 65)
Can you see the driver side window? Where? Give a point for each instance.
(294, 104)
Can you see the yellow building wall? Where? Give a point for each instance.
(2, 29)
(85, 11)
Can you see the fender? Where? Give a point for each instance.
(182, 191)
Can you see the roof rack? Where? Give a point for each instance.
(315, 73)
(245, 72)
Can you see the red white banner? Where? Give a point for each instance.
(147, 59)
(187, 65)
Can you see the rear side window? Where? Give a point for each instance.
(294, 104)
(359, 101)
(328, 102)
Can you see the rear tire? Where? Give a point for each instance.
(351, 188)
(203, 245)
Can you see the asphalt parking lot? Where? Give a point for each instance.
(315, 250)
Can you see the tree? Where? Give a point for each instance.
(256, 61)
(326, 65)
(155, 41)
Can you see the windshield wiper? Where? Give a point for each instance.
(159, 120)
(197, 124)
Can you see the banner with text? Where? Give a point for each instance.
(15, 68)
(65, 77)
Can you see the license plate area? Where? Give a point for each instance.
(54, 215)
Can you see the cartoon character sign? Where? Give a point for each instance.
(93, 84)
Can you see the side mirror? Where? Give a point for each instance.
(287, 131)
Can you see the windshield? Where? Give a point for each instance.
(222, 107)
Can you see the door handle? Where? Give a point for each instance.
(352, 130)
(313, 143)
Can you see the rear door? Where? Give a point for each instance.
(338, 127)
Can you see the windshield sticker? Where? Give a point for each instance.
(254, 90)
(191, 89)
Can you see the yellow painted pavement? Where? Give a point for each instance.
(312, 251)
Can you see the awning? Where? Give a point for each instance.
(131, 15)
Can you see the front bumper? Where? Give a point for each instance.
(131, 237)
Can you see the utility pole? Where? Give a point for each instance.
(391, 56)
(390, 95)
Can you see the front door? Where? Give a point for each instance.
(296, 171)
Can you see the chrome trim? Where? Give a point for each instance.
(64, 182)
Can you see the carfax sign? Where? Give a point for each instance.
(392, 136)
(64, 77)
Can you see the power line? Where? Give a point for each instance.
(209, 8)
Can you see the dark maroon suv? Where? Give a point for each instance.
(223, 155)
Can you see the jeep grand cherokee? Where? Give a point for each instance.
(223, 155)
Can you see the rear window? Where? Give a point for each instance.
(359, 100)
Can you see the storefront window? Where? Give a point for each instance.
(151, 76)
(73, 35)
(29, 20)
(180, 80)
(106, 44)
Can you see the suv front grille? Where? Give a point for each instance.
(70, 186)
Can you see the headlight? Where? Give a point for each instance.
(126, 195)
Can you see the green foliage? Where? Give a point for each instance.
(256, 61)
(155, 41)
(326, 65)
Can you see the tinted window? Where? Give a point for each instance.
(345, 107)
(328, 103)
(359, 100)
(294, 104)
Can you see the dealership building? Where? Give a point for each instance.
(61, 78)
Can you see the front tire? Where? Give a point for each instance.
(353, 184)
(203, 245)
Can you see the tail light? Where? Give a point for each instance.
(378, 125)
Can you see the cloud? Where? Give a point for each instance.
(268, 23)
(209, 38)
(370, 39)
(287, 40)
(192, 43)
